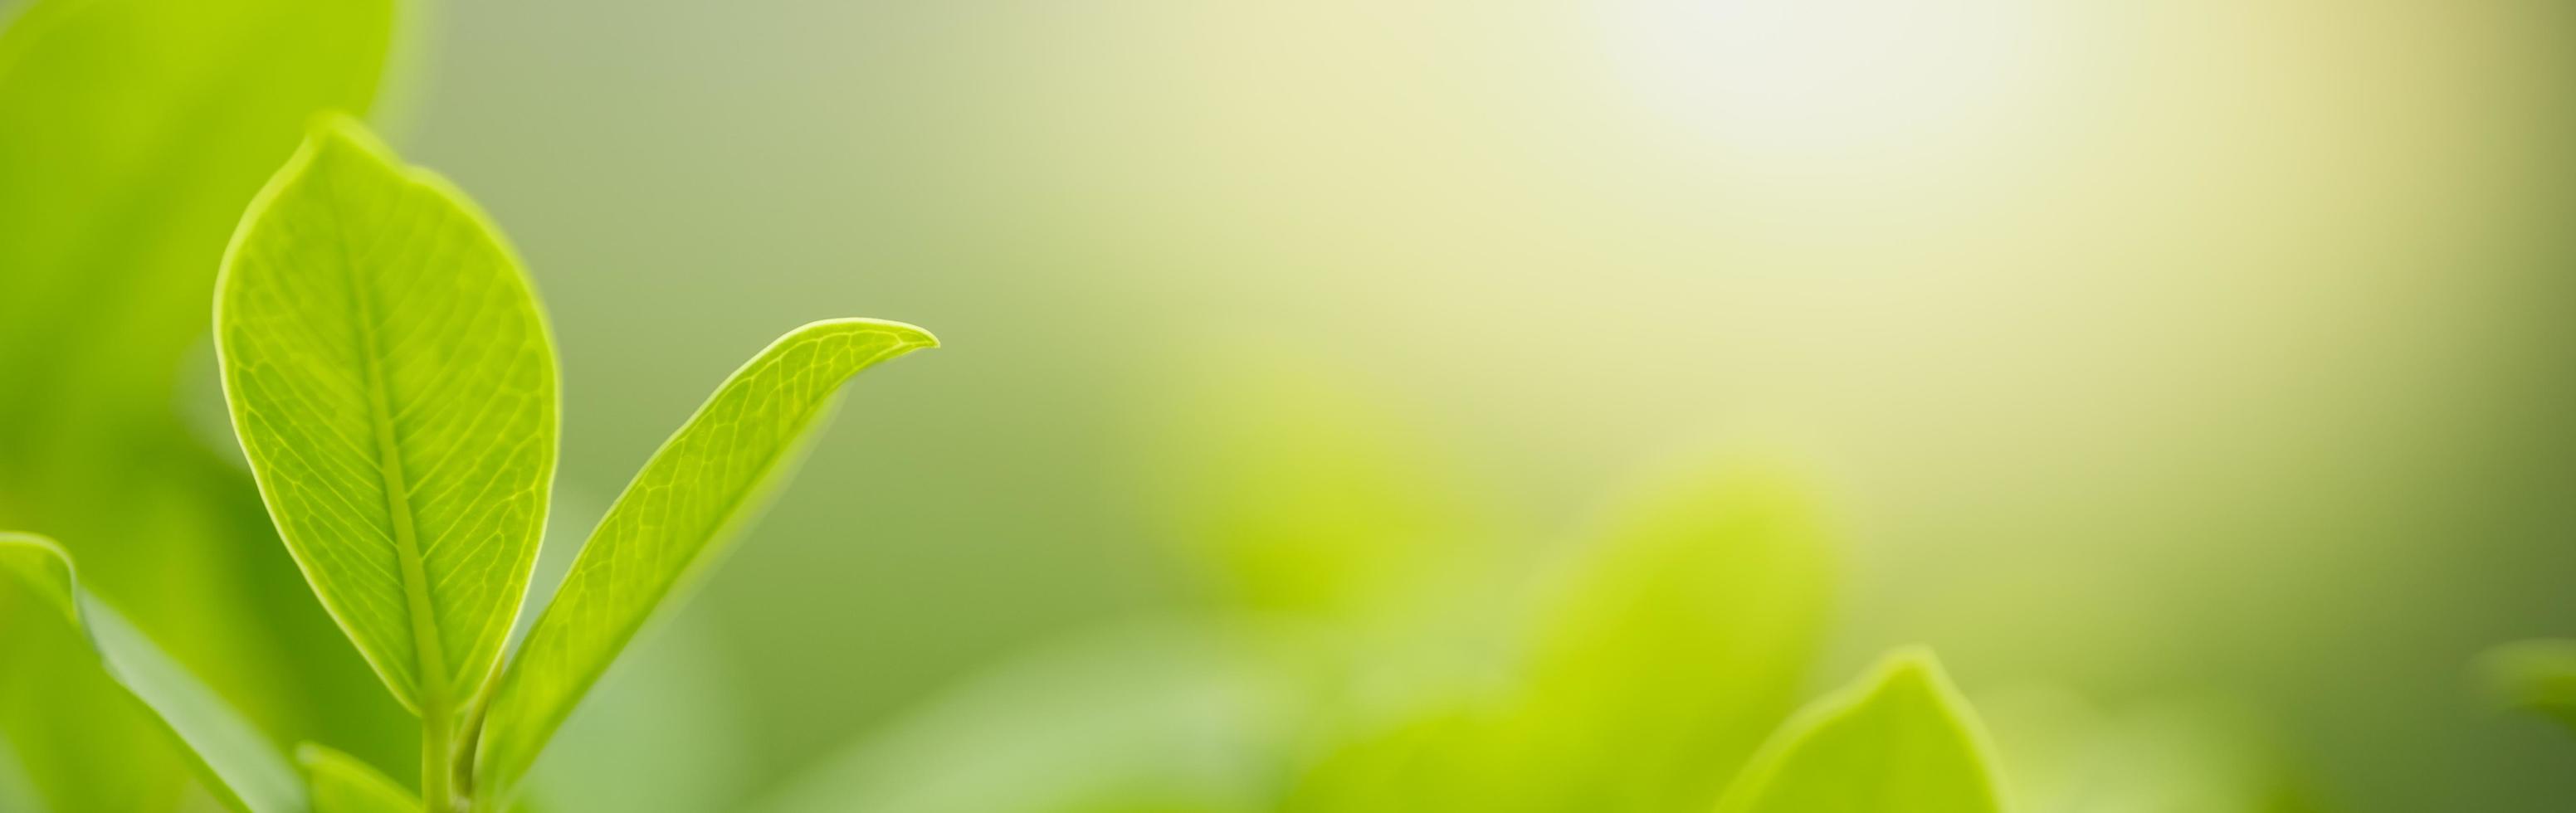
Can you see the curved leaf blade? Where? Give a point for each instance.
(393, 385)
(345, 784)
(1901, 739)
(683, 509)
(238, 762)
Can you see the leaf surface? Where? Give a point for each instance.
(344, 784)
(686, 505)
(394, 388)
(239, 764)
(1901, 739)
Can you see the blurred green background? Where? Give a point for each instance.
(2202, 354)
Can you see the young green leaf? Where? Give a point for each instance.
(680, 511)
(394, 388)
(238, 763)
(344, 784)
(1901, 739)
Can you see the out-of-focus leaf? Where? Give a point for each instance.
(1681, 643)
(394, 388)
(1432, 759)
(1901, 739)
(135, 132)
(140, 129)
(2537, 676)
(686, 506)
(236, 760)
(1290, 493)
(342, 784)
(79, 740)
(1155, 718)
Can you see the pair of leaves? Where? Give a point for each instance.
(393, 385)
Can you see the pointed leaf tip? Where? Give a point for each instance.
(685, 507)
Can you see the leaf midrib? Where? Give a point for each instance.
(431, 680)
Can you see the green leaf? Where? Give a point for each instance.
(687, 504)
(344, 784)
(1685, 636)
(394, 388)
(2537, 676)
(1901, 739)
(237, 761)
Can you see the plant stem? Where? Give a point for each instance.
(437, 727)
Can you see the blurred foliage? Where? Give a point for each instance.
(1642, 678)
(2285, 438)
(136, 131)
(238, 764)
(2538, 676)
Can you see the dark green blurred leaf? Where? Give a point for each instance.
(1900, 740)
(236, 759)
(2537, 676)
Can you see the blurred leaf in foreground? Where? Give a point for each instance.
(236, 760)
(342, 784)
(1901, 739)
(1682, 641)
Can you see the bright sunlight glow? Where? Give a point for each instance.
(1784, 79)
